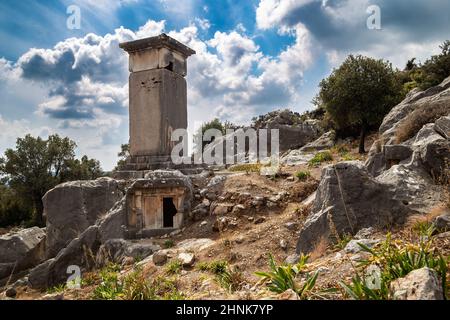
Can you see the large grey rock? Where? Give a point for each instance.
(80, 252)
(437, 96)
(435, 157)
(116, 250)
(70, 208)
(442, 126)
(397, 152)
(421, 284)
(354, 247)
(413, 186)
(21, 250)
(325, 141)
(347, 200)
(296, 158)
(412, 101)
(442, 223)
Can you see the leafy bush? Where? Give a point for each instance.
(360, 93)
(169, 244)
(435, 69)
(229, 279)
(321, 157)
(110, 288)
(396, 259)
(134, 286)
(174, 267)
(216, 267)
(303, 175)
(12, 210)
(282, 277)
(343, 241)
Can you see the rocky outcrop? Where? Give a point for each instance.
(293, 133)
(117, 250)
(21, 250)
(326, 141)
(396, 181)
(70, 208)
(81, 251)
(421, 284)
(347, 200)
(431, 143)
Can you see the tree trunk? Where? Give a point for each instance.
(362, 139)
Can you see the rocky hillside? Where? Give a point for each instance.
(326, 224)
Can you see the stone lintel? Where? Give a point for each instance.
(161, 41)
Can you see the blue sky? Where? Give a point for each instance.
(252, 57)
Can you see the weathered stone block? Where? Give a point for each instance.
(158, 100)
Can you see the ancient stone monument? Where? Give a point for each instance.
(157, 98)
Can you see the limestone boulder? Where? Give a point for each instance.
(296, 158)
(442, 222)
(421, 284)
(442, 126)
(80, 252)
(431, 138)
(349, 199)
(21, 250)
(325, 141)
(116, 250)
(413, 186)
(70, 208)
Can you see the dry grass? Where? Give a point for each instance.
(319, 249)
(425, 219)
(418, 118)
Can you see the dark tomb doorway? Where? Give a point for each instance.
(169, 211)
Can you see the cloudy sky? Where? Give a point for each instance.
(252, 57)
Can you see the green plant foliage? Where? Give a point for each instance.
(169, 244)
(360, 93)
(343, 241)
(282, 277)
(229, 279)
(321, 157)
(174, 267)
(303, 175)
(396, 259)
(37, 165)
(134, 286)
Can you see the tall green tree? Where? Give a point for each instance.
(37, 165)
(360, 93)
(435, 69)
(123, 155)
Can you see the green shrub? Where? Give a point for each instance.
(321, 157)
(303, 175)
(216, 267)
(110, 288)
(174, 267)
(169, 244)
(246, 167)
(343, 241)
(134, 286)
(282, 277)
(229, 279)
(396, 259)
